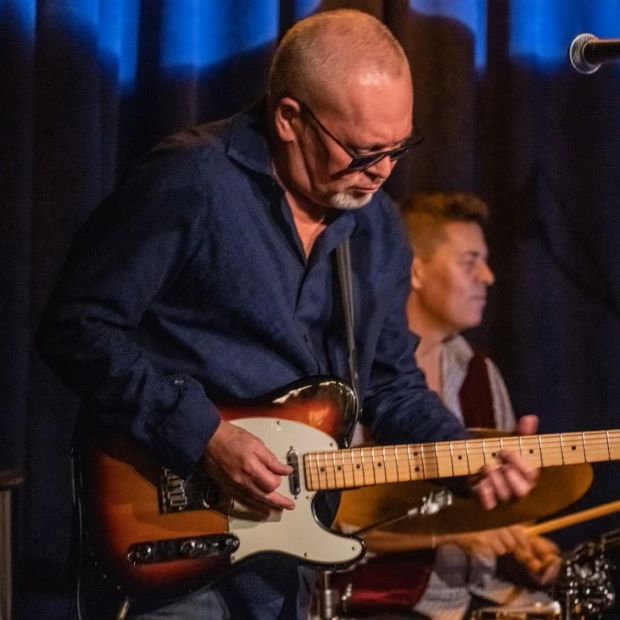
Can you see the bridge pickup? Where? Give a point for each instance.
(178, 495)
(197, 547)
(293, 479)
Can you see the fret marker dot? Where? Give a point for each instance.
(417, 469)
(460, 458)
(322, 469)
(573, 447)
(378, 464)
(531, 451)
(357, 466)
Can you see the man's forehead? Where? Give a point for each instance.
(373, 115)
(461, 236)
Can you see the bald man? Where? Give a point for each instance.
(208, 275)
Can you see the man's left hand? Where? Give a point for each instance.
(513, 478)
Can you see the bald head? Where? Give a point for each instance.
(325, 53)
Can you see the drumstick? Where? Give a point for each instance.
(578, 517)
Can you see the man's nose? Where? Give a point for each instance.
(486, 275)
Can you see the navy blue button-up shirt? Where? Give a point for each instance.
(189, 284)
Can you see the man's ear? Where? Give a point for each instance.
(417, 273)
(285, 116)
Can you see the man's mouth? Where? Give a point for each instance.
(365, 189)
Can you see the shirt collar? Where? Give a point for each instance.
(248, 139)
(249, 146)
(458, 352)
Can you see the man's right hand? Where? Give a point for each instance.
(245, 468)
(489, 543)
(540, 556)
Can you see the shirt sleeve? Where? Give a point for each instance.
(398, 406)
(130, 250)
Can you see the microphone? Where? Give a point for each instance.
(587, 52)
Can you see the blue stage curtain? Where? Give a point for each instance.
(87, 85)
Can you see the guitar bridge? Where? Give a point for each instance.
(177, 494)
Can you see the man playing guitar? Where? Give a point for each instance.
(208, 276)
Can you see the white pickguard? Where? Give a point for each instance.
(294, 532)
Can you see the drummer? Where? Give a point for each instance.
(449, 279)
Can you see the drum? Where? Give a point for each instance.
(586, 584)
(552, 611)
(383, 584)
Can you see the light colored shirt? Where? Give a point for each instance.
(456, 575)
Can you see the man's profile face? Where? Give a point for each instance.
(452, 282)
(371, 117)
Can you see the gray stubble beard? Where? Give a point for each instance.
(345, 202)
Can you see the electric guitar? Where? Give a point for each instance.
(154, 532)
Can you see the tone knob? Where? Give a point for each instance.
(192, 548)
(141, 554)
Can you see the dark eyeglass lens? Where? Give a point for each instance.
(399, 153)
(359, 163)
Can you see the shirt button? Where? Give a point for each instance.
(179, 381)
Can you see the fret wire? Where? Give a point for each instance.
(353, 470)
(365, 466)
(322, 480)
(542, 462)
(409, 461)
(362, 466)
(308, 479)
(608, 448)
(385, 474)
(325, 458)
(314, 476)
(583, 445)
(318, 467)
(399, 461)
(373, 465)
(308, 469)
(334, 467)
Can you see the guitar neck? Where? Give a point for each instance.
(368, 466)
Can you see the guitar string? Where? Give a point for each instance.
(594, 448)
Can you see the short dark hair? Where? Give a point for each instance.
(426, 213)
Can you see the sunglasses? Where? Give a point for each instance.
(363, 162)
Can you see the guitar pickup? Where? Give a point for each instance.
(293, 480)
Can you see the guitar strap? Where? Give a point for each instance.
(345, 277)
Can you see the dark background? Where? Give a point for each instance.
(85, 86)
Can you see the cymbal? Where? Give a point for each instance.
(372, 507)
